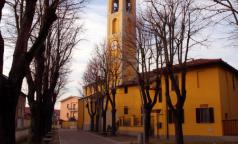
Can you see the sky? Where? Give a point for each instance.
(94, 19)
(95, 29)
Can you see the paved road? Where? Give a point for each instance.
(81, 137)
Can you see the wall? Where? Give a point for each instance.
(202, 89)
(229, 94)
(206, 87)
(70, 111)
(80, 114)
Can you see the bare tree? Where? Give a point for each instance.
(104, 74)
(113, 62)
(105, 82)
(149, 57)
(229, 6)
(175, 24)
(21, 60)
(47, 75)
(91, 82)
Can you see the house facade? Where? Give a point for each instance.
(69, 109)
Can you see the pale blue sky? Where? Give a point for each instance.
(94, 19)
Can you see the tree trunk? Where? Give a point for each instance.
(2, 3)
(1, 53)
(50, 116)
(48, 110)
(113, 121)
(97, 122)
(92, 123)
(7, 126)
(8, 104)
(36, 124)
(147, 118)
(178, 126)
(104, 122)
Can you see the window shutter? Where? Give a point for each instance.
(197, 115)
(211, 115)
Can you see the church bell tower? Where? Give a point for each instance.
(121, 35)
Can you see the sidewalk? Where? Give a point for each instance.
(188, 140)
(68, 136)
(82, 137)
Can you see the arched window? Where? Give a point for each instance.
(128, 5)
(115, 6)
(114, 26)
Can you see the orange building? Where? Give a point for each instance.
(69, 108)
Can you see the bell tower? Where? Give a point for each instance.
(121, 35)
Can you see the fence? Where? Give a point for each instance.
(130, 121)
(230, 127)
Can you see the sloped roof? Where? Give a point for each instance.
(192, 65)
(69, 98)
(196, 63)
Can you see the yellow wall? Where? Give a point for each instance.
(203, 88)
(64, 110)
(85, 115)
(229, 96)
(80, 114)
(68, 125)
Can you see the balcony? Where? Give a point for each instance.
(72, 109)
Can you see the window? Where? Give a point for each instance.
(114, 26)
(171, 116)
(126, 122)
(67, 105)
(74, 106)
(125, 89)
(115, 6)
(177, 82)
(128, 5)
(159, 125)
(67, 115)
(125, 110)
(204, 115)
(137, 122)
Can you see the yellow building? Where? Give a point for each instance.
(210, 108)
